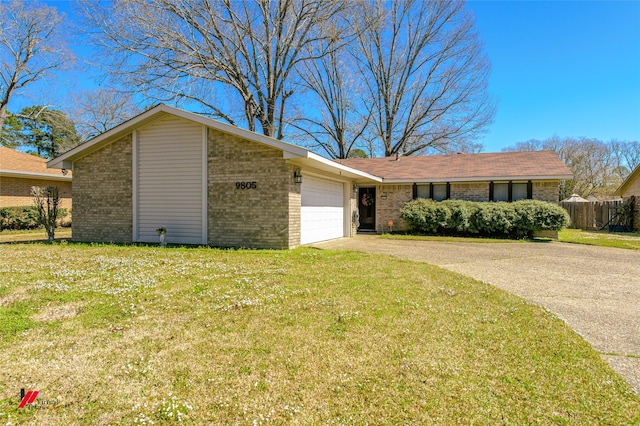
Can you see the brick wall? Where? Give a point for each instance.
(353, 207)
(391, 198)
(16, 192)
(253, 218)
(102, 193)
(477, 191)
(389, 201)
(295, 203)
(547, 191)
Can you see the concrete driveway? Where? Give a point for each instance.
(596, 290)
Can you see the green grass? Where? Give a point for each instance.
(447, 239)
(601, 238)
(574, 236)
(124, 335)
(7, 236)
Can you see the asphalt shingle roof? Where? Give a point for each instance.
(13, 160)
(530, 164)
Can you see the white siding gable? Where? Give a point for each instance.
(170, 181)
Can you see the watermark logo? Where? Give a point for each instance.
(29, 399)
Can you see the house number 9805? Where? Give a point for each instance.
(246, 185)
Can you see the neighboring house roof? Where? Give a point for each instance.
(464, 167)
(27, 166)
(635, 174)
(294, 153)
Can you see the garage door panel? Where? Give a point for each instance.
(322, 210)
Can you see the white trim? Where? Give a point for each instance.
(205, 189)
(478, 179)
(319, 175)
(346, 194)
(292, 151)
(341, 167)
(134, 154)
(627, 181)
(33, 175)
(289, 151)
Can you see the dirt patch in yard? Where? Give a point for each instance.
(19, 294)
(58, 312)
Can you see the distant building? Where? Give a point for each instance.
(631, 187)
(19, 172)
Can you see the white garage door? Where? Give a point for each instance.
(170, 183)
(322, 214)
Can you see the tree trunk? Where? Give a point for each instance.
(3, 115)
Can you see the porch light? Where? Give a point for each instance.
(355, 187)
(297, 176)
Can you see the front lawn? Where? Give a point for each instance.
(126, 335)
(623, 240)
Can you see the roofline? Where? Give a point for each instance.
(627, 181)
(32, 175)
(478, 179)
(342, 167)
(75, 153)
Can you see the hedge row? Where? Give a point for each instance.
(455, 217)
(26, 217)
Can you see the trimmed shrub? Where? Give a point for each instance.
(492, 219)
(25, 217)
(535, 215)
(18, 218)
(461, 212)
(426, 216)
(455, 217)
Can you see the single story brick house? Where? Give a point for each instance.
(19, 172)
(504, 176)
(212, 183)
(631, 188)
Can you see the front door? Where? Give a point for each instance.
(367, 209)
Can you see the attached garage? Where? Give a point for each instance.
(207, 183)
(322, 211)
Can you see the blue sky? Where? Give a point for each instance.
(566, 68)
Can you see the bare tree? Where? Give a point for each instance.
(426, 75)
(47, 200)
(99, 110)
(208, 51)
(341, 119)
(31, 46)
(595, 167)
(627, 155)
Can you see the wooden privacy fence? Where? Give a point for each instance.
(592, 214)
